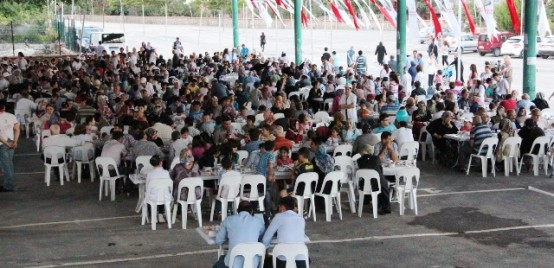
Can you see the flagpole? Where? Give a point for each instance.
(298, 31)
(459, 67)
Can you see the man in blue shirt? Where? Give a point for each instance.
(384, 125)
(391, 108)
(290, 228)
(244, 51)
(239, 228)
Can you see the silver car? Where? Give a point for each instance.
(468, 43)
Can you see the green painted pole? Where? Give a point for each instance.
(298, 31)
(235, 11)
(530, 50)
(401, 36)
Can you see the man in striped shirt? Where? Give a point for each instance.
(478, 134)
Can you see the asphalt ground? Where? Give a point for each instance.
(463, 221)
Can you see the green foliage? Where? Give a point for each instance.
(20, 12)
(502, 16)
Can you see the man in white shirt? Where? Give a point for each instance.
(347, 104)
(9, 137)
(60, 140)
(290, 228)
(24, 106)
(114, 148)
(403, 134)
(180, 144)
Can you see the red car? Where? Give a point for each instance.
(485, 45)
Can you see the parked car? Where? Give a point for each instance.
(87, 31)
(486, 45)
(546, 47)
(514, 46)
(468, 43)
(425, 34)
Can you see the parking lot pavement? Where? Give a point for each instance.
(463, 221)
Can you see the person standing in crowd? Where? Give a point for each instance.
(350, 57)
(361, 64)
(262, 41)
(9, 139)
(380, 51)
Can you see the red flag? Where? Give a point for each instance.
(513, 14)
(436, 22)
(385, 13)
(336, 11)
(469, 18)
(253, 3)
(304, 18)
(281, 3)
(352, 13)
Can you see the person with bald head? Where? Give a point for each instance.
(60, 140)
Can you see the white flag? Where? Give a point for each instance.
(345, 16)
(544, 26)
(264, 14)
(448, 14)
(412, 20)
(488, 16)
(373, 16)
(365, 18)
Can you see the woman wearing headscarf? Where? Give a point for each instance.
(528, 133)
(506, 131)
(369, 160)
(186, 168)
(323, 163)
(540, 102)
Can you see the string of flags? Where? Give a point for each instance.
(360, 13)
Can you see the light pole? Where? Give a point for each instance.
(235, 12)
(530, 48)
(401, 36)
(298, 31)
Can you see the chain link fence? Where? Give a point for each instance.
(56, 37)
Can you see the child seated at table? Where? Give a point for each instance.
(302, 165)
(334, 139)
(283, 158)
(467, 126)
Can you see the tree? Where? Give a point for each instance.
(502, 16)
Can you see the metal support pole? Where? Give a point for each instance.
(401, 36)
(298, 31)
(459, 67)
(530, 48)
(235, 13)
(13, 39)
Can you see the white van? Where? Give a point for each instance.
(110, 41)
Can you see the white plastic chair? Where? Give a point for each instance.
(328, 103)
(309, 180)
(83, 155)
(407, 180)
(425, 141)
(191, 184)
(229, 190)
(542, 143)
(248, 251)
(321, 117)
(258, 119)
(107, 181)
(547, 113)
(41, 135)
(334, 177)
(367, 176)
(278, 116)
(409, 149)
(158, 192)
(105, 130)
(143, 162)
(253, 181)
(511, 159)
(491, 144)
(55, 154)
(290, 251)
(346, 165)
(70, 131)
(343, 149)
(243, 156)
(237, 127)
(356, 157)
(174, 162)
(24, 121)
(297, 93)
